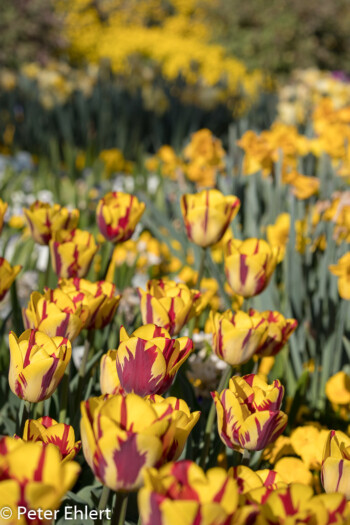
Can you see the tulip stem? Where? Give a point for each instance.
(201, 268)
(64, 395)
(82, 369)
(24, 413)
(119, 512)
(103, 502)
(246, 458)
(211, 417)
(108, 263)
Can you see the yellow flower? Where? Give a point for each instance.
(338, 389)
(45, 220)
(72, 253)
(342, 270)
(293, 470)
(335, 475)
(8, 274)
(3, 208)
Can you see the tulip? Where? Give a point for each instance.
(207, 215)
(183, 493)
(55, 314)
(279, 330)
(33, 478)
(8, 274)
(72, 253)
(184, 420)
(249, 479)
(109, 380)
(236, 336)
(335, 473)
(99, 298)
(37, 364)
(47, 430)
(121, 436)
(117, 215)
(44, 220)
(249, 265)
(148, 360)
(169, 304)
(3, 208)
(248, 412)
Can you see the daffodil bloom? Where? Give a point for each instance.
(117, 215)
(342, 270)
(72, 253)
(33, 478)
(44, 220)
(249, 265)
(37, 364)
(207, 215)
(47, 430)
(248, 412)
(8, 274)
(148, 360)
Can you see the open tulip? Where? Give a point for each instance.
(279, 330)
(72, 253)
(47, 430)
(33, 478)
(335, 474)
(98, 298)
(169, 304)
(249, 265)
(236, 335)
(148, 360)
(183, 493)
(37, 364)
(55, 314)
(121, 436)
(3, 208)
(44, 220)
(207, 215)
(117, 215)
(8, 274)
(248, 412)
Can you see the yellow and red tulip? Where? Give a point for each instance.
(169, 304)
(121, 436)
(335, 473)
(99, 298)
(248, 412)
(279, 329)
(8, 274)
(183, 493)
(117, 215)
(72, 253)
(55, 314)
(47, 430)
(3, 208)
(44, 220)
(109, 380)
(236, 335)
(37, 364)
(249, 265)
(207, 215)
(185, 420)
(33, 478)
(148, 360)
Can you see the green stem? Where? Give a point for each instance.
(38, 410)
(246, 458)
(211, 417)
(201, 268)
(24, 413)
(64, 395)
(119, 512)
(87, 346)
(16, 310)
(103, 503)
(109, 260)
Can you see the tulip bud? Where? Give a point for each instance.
(44, 220)
(279, 330)
(207, 215)
(8, 274)
(335, 474)
(37, 364)
(109, 380)
(72, 253)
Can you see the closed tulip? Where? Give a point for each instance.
(248, 412)
(183, 493)
(37, 364)
(117, 215)
(207, 215)
(249, 265)
(148, 360)
(72, 253)
(34, 480)
(47, 430)
(44, 220)
(121, 436)
(169, 304)
(98, 298)
(3, 208)
(236, 335)
(8, 274)
(279, 330)
(55, 314)
(335, 474)
(109, 380)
